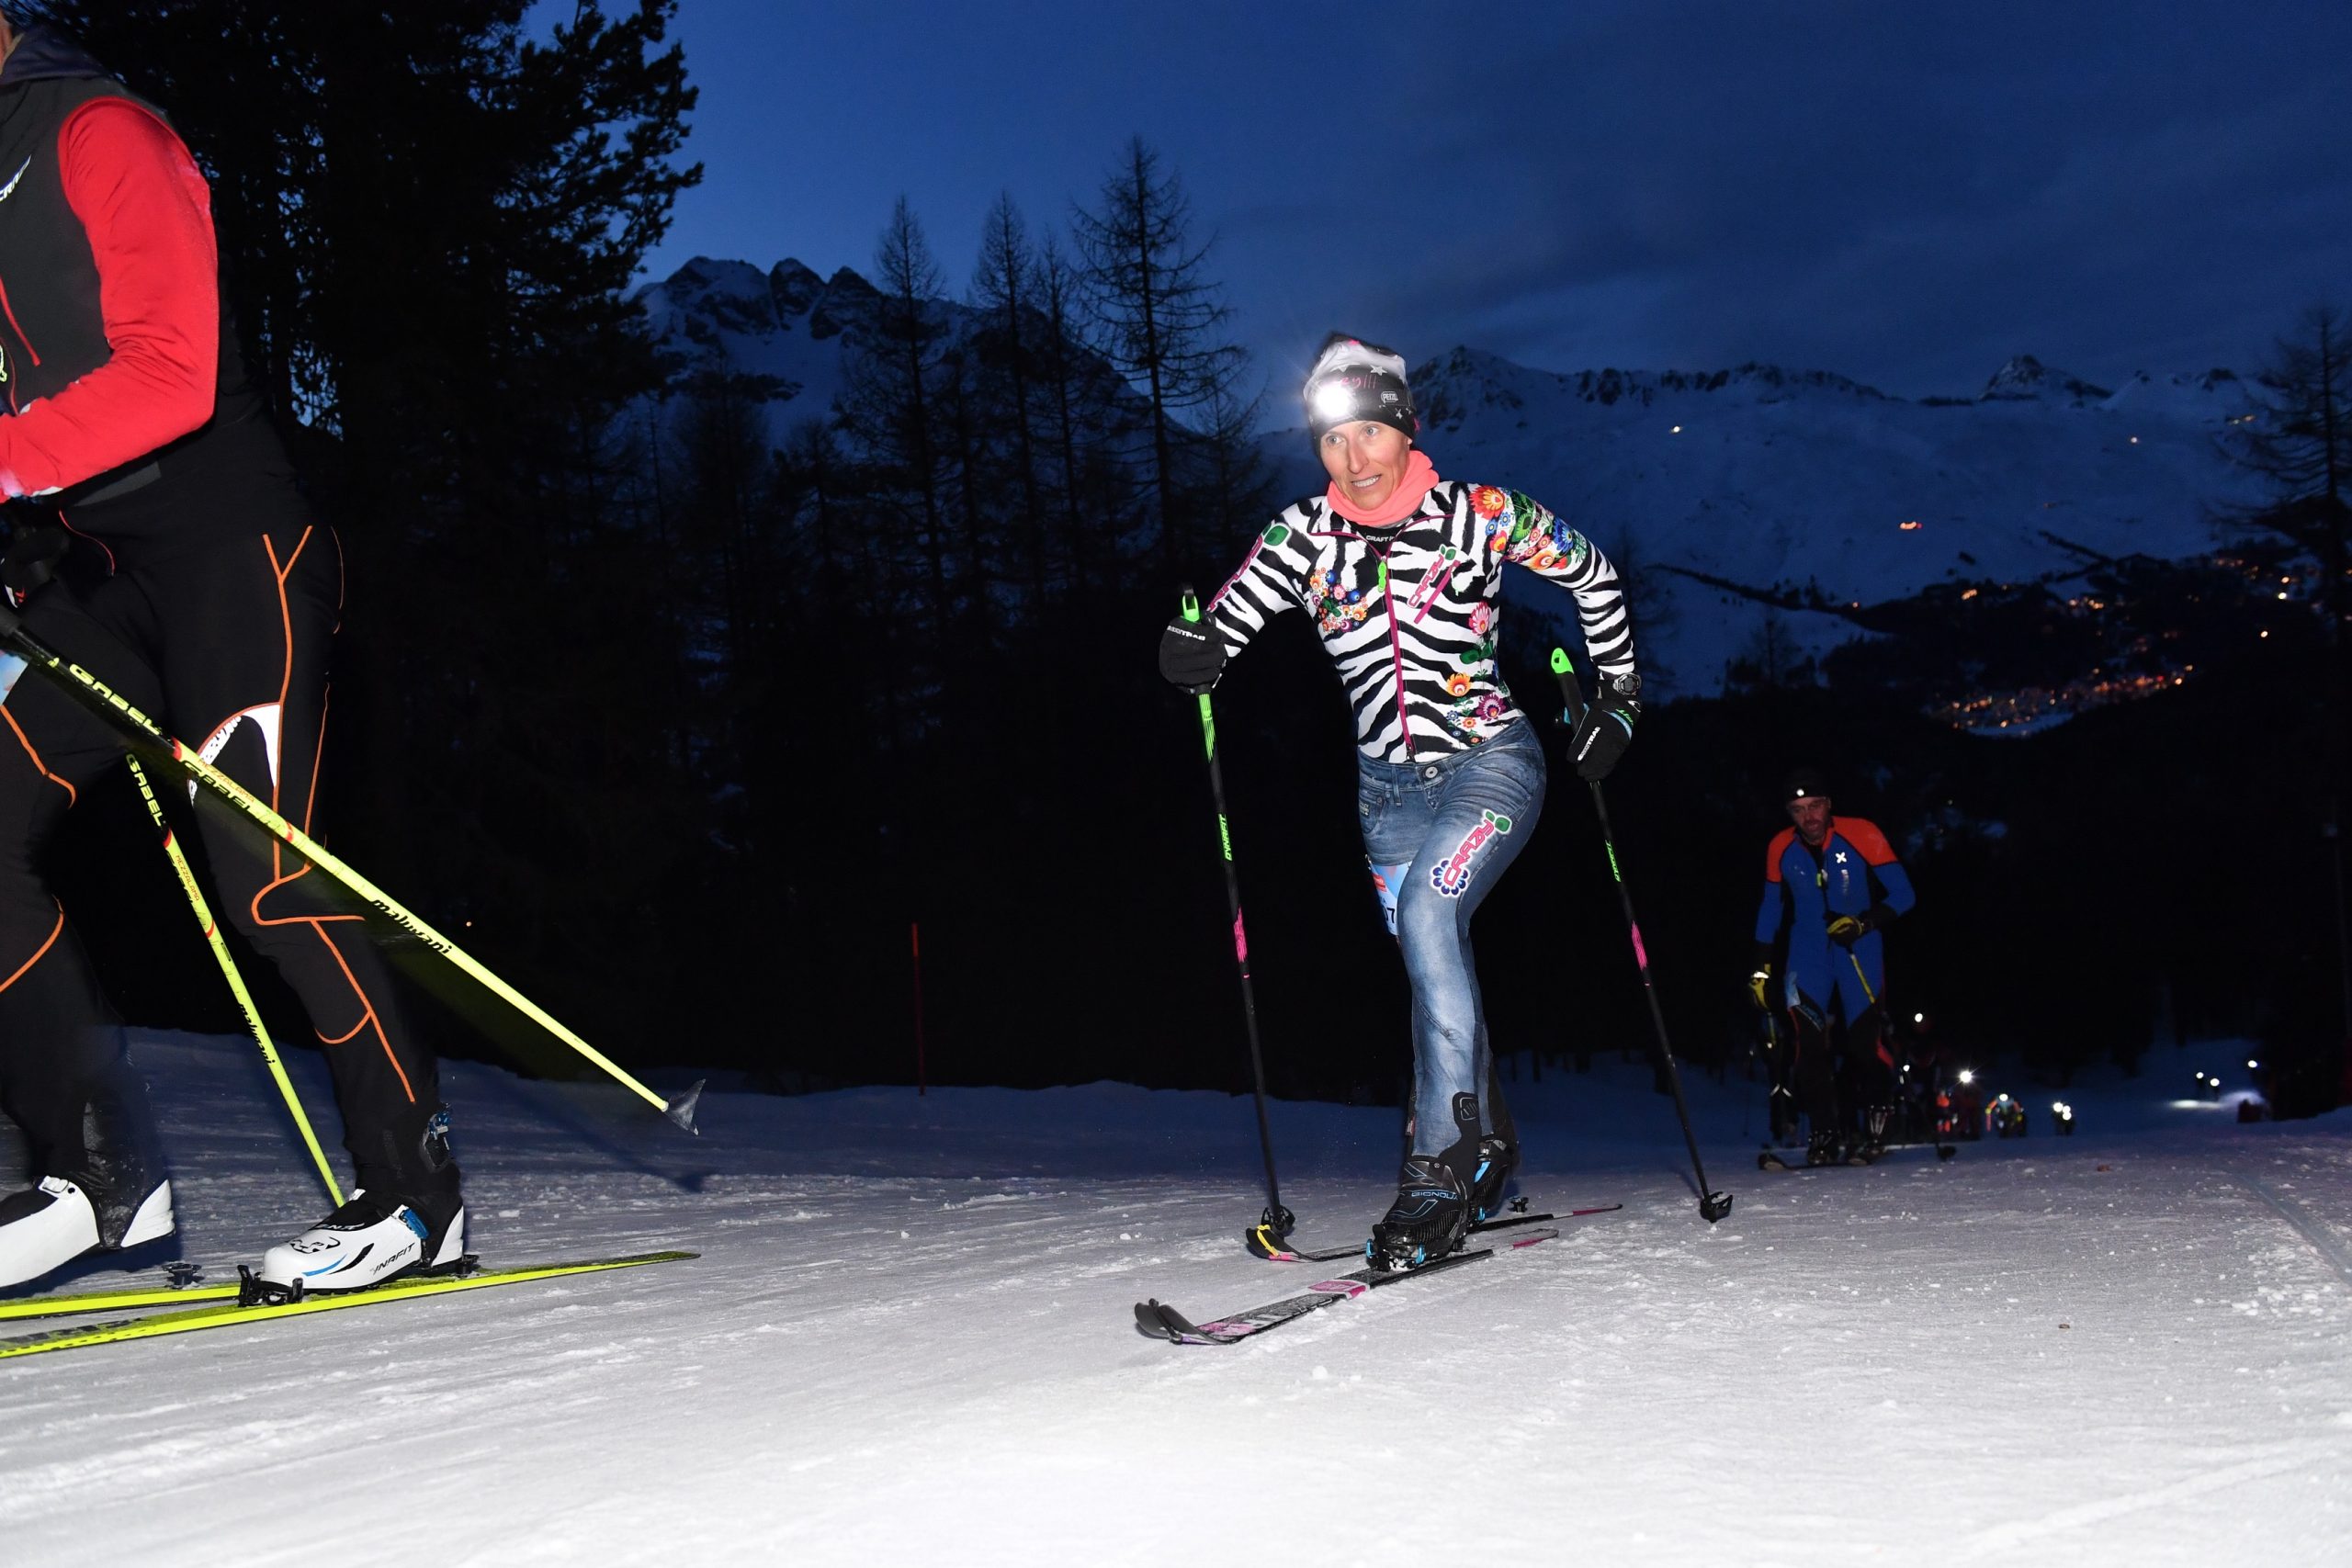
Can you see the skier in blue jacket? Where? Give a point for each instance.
(1833, 883)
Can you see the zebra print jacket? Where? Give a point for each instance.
(1411, 613)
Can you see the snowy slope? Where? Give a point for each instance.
(908, 1341)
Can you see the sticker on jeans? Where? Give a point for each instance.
(1387, 881)
(1452, 874)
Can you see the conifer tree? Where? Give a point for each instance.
(1005, 349)
(1159, 319)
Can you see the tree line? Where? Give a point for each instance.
(684, 727)
(686, 724)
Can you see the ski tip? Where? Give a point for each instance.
(1150, 1322)
(1715, 1206)
(682, 1110)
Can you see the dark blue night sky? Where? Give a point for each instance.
(1904, 194)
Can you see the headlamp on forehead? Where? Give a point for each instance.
(1335, 403)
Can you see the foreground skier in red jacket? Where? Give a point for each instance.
(197, 585)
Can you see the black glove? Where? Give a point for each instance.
(1608, 727)
(1191, 654)
(32, 559)
(1847, 929)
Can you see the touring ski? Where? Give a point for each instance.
(1333, 1254)
(226, 1314)
(1160, 1321)
(1771, 1160)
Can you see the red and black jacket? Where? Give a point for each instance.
(123, 401)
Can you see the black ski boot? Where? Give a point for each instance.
(109, 1195)
(1432, 1211)
(1874, 1124)
(1497, 1160)
(1429, 1218)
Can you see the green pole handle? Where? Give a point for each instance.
(1191, 607)
(1571, 690)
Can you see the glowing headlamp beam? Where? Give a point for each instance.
(1334, 402)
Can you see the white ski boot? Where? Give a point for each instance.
(366, 1242)
(46, 1226)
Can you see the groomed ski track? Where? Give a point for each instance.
(909, 1339)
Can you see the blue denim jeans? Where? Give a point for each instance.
(1438, 834)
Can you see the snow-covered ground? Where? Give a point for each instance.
(909, 1339)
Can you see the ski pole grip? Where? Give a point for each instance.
(1571, 693)
(1191, 603)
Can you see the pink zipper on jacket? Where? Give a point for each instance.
(1396, 658)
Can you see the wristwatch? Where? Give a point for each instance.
(1627, 686)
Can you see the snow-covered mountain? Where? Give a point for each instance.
(783, 327)
(1770, 479)
(1724, 483)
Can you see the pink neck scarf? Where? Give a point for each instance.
(1420, 478)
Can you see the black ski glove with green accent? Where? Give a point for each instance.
(1192, 655)
(1608, 728)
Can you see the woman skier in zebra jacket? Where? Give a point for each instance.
(1402, 572)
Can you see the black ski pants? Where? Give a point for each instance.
(223, 643)
(1817, 1037)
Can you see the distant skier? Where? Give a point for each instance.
(1833, 883)
(202, 590)
(1402, 572)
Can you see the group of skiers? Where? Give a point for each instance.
(161, 543)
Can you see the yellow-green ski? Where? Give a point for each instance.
(225, 1313)
(71, 1302)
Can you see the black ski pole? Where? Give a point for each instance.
(1779, 1075)
(1935, 1136)
(1713, 1205)
(144, 734)
(1266, 1237)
